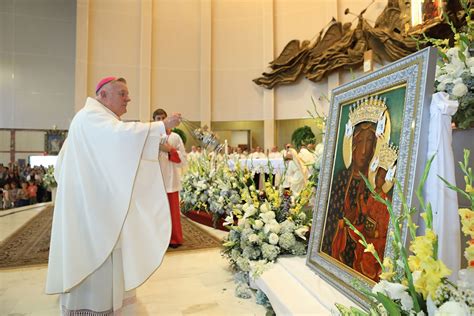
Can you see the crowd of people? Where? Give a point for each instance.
(305, 154)
(298, 164)
(22, 185)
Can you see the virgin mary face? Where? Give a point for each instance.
(363, 146)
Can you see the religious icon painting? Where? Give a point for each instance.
(53, 141)
(378, 129)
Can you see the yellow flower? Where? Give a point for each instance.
(434, 273)
(428, 279)
(370, 248)
(388, 269)
(469, 251)
(467, 220)
(422, 246)
(469, 189)
(414, 263)
(430, 235)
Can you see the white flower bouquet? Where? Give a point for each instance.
(48, 178)
(267, 227)
(455, 69)
(209, 185)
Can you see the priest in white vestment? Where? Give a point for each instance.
(296, 173)
(275, 154)
(258, 154)
(111, 224)
(308, 157)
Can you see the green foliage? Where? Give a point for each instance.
(464, 116)
(180, 133)
(302, 136)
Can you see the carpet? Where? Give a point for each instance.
(195, 237)
(203, 217)
(29, 245)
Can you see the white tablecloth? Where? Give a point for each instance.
(275, 165)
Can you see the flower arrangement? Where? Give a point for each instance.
(209, 185)
(420, 285)
(270, 223)
(48, 179)
(455, 69)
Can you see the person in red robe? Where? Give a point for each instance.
(172, 157)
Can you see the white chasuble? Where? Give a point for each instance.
(110, 195)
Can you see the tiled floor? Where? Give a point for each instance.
(188, 283)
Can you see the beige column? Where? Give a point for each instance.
(206, 63)
(144, 75)
(268, 94)
(82, 55)
(334, 79)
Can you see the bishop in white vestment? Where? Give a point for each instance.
(111, 224)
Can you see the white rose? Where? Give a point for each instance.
(273, 238)
(221, 199)
(268, 216)
(452, 308)
(379, 287)
(264, 208)
(470, 62)
(253, 238)
(272, 227)
(258, 224)
(442, 86)
(455, 70)
(452, 52)
(251, 210)
(407, 302)
(275, 227)
(472, 71)
(459, 89)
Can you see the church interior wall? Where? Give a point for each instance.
(37, 58)
(285, 128)
(162, 48)
(237, 37)
(4, 146)
(114, 47)
(175, 72)
(255, 127)
(29, 141)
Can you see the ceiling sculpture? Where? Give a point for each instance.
(338, 46)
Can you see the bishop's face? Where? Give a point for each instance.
(117, 98)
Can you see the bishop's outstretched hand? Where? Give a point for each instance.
(172, 121)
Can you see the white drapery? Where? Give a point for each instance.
(444, 201)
